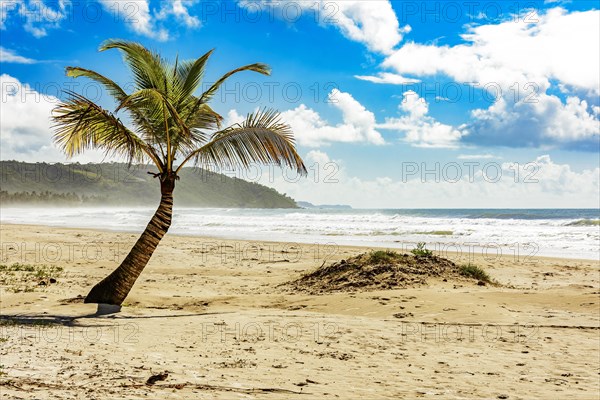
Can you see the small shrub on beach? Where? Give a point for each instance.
(421, 250)
(383, 256)
(473, 271)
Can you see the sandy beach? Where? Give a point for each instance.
(210, 314)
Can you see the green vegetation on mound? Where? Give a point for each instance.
(421, 250)
(473, 271)
(383, 269)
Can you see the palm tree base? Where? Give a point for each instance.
(104, 293)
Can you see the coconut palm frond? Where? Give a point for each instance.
(148, 68)
(80, 124)
(261, 138)
(206, 96)
(203, 118)
(190, 74)
(115, 90)
(258, 67)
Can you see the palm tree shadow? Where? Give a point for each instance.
(104, 311)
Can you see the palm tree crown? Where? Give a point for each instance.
(168, 121)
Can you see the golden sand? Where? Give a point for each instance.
(209, 313)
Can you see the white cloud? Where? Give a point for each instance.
(519, 57)
(317, 157)
(562, 46)
(358, 124)
(310, 129)
(138, 16)
(373, 23)
(36, 17)
(387, 77)
(477, 157)
(25, 127)
(149, 22)
(9, 56)
(540, 183)
(20, 135)
(420, 129)
(548, 121)
(233, 118)
(4, 12)
(180, 11)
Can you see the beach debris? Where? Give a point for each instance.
(158, 377)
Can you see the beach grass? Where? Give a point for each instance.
(19, 277)
(382, 256)
(421, 250)
(475, 272)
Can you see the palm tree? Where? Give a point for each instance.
(167, 122)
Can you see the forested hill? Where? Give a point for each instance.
(114, 184)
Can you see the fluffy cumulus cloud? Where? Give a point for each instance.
(358, 124)
(527, 58)
(9, 56)
(24, 136)
(36, 17)
(418, 127)
(30, 138)
(560, 45)
(311, 130)
(138, 16)
(488, 184)
(372, 23)
(39, 17)
(180, 10)
(547, 121)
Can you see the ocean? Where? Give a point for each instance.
(567, 233)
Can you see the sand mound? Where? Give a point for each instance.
(375, 271)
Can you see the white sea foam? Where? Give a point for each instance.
(492, 232)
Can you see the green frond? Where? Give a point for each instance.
(191, 74)
(149, 69)
(115, 90)
(203, 118)
(80, 124)
(261, 138)
(258, 67)
(206, 96)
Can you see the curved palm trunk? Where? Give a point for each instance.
(114, 288)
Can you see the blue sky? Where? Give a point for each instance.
(373, 87)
